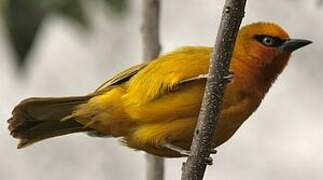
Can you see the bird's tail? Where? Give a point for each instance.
(35, 119)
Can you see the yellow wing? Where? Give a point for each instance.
(165, 73)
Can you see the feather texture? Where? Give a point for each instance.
(152, 104)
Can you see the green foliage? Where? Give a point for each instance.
(2, 4)
(117, 6)
(24, 18)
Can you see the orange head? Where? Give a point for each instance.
(262, 50)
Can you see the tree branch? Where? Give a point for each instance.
(151, 49)
(196, 163)
(150, 29)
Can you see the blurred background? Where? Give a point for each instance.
(69, 47)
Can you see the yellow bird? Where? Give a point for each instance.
(154, 106)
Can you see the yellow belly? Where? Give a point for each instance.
(169, 118)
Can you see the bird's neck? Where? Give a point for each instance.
(256, 78)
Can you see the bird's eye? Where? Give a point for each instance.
(269, 41)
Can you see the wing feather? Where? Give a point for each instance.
(121, 77)
(166, 73)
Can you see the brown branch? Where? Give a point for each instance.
(196, 163)
(151, 49)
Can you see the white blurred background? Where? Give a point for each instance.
(282, 140)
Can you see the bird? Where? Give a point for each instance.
(154, 106)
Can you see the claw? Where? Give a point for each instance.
(229, 76)
(209, 161)
(213, 151)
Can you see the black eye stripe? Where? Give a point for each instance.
(275, 41)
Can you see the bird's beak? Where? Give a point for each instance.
(292, 44)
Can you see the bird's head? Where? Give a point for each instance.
(265, 47)
(266, 43)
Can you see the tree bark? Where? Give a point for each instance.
(151, 50)
(196, 163)
(150, 29)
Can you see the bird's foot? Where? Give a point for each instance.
(209, 160)
(213, 151)
(229, 76)
(201, 76)
(185, 152)
(180, 150)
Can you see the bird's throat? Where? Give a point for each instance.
(257, 78)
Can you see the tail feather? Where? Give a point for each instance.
(35, 119)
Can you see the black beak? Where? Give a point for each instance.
(291, 45)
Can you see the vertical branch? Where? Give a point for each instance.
(155, 167)
(150, 29)
(151, 49)
(196, 163)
